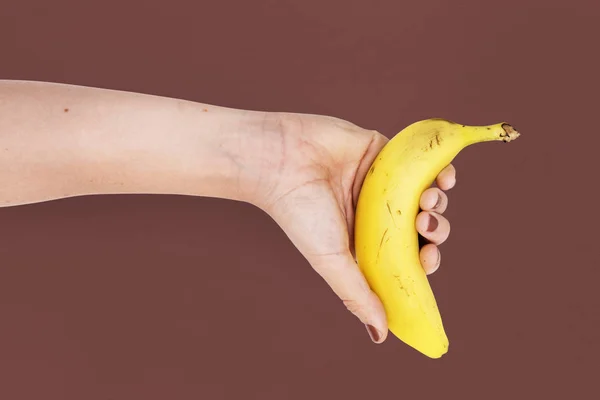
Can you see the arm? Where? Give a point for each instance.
(305, 171)
(60, 140)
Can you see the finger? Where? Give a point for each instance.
(433, 227)
(343, 275)
(434, 199)
(430, 258)
(446, 179)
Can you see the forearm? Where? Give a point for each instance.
(61, 140)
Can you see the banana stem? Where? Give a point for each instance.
(497, 132)
(510, 133)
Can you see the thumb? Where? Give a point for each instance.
(343, 275)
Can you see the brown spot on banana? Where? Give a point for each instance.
(381, 244)
(435, 140)
(387, 203)
(402, 286)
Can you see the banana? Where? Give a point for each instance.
(386, 239)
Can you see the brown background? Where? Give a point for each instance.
(172, 297)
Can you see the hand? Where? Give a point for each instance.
(312, 193)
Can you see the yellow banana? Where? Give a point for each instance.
(386, 239)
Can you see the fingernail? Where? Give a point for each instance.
(373, 333)
(439, 202)
(433, 223)
(439, 257)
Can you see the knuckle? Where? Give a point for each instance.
(353, 306)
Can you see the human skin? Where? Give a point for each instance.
(305, 171)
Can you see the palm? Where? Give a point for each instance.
(316, 218)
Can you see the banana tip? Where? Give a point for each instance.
(509, 133)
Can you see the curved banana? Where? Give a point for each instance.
(386, 239)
